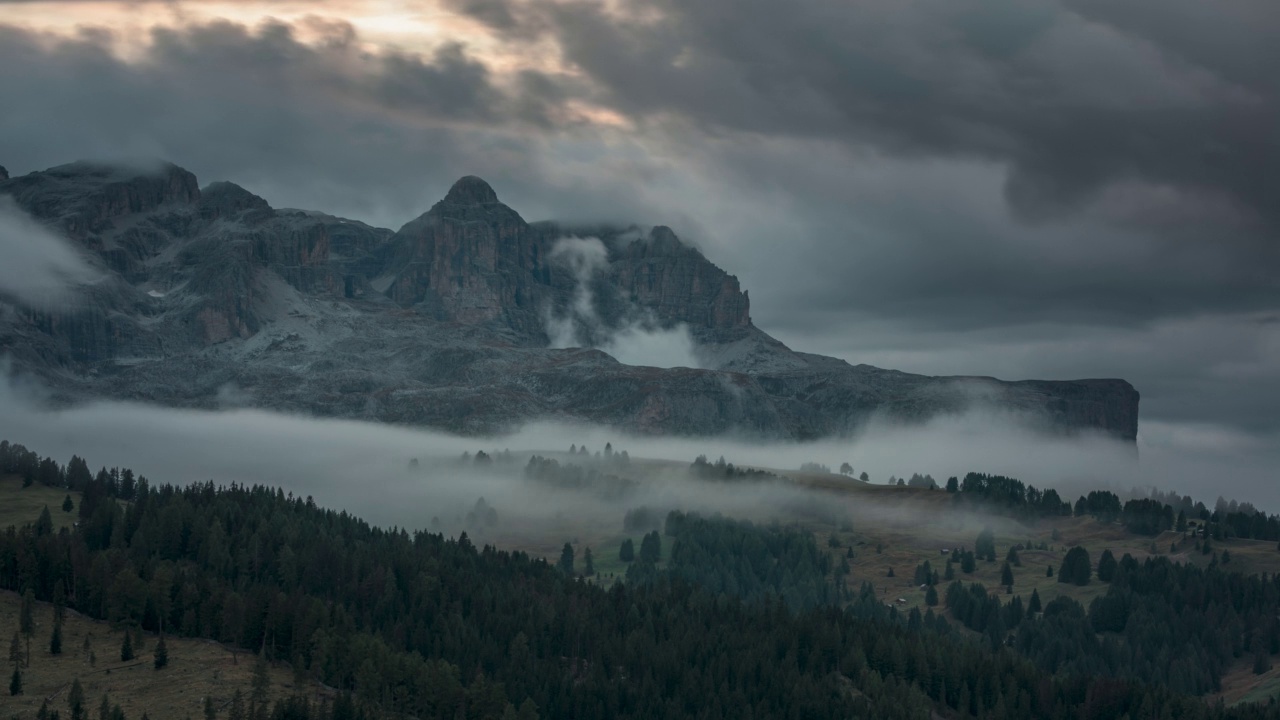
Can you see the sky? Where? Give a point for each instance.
(1018, 188)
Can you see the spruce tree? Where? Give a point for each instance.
(261, 687)
(1033, 606)
(26, 619)
(126, 647)
(67, 504)
(161, 654)
(931, 596)
(566, 559)
(55, 641)
(1006, 575)
(627, 552)
(588, 567)
(1106, 566)
(15, 649)
(15, 682)
(75, 701)
(236, 711)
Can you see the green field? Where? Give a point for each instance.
(19, 505)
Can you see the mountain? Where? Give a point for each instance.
(209, 296)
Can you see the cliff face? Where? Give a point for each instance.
(441, 323)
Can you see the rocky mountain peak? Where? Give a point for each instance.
(470, 190)
(226, 198)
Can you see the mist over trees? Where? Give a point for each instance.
(721, 617)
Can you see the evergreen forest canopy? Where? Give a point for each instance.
(729, 620)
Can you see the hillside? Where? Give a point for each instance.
(720, 616)
(467, 318)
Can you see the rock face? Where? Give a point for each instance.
(443, 323)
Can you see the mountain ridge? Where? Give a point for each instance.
(444, 322)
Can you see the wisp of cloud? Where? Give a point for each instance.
(40, 268)
(638, 342)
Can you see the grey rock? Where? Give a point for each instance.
(441, 323)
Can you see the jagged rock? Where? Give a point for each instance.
(441, 323)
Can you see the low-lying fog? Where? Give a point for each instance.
(369, 469)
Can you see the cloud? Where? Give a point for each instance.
(366, 469)
(1071, 105)
(638, 340)
(40, 269)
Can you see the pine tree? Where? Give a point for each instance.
(627, 552)
(261, 689)
(26, 619)
(588, 567)
(236, 711)
(210, 712)
(126, 647)
(67, 504)
(15, 682)
(75, 701)
(1048, 571)
(1106, 566)
(55, 641)
(566, 559)
(161, 654)
(15, 649)
(931, 596)
(1006, 575)
(1012, 557)
(1033, 606)
(1076, 567)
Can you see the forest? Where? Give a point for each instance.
(738, 620)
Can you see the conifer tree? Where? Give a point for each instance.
(588, 567)
(26, 619)
(161, 654)
(55, 641)
(261, 689)
(566, 559)
(126, 647)
(1106, 566)
(15, 682)
(236, 711)
(15, 649)
(75, 701)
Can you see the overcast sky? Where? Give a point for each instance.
(1019, 188)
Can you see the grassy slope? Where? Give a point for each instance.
(19, 505)
(197, 668)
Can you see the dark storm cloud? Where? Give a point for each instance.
(319, 124)
(1071, 104)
